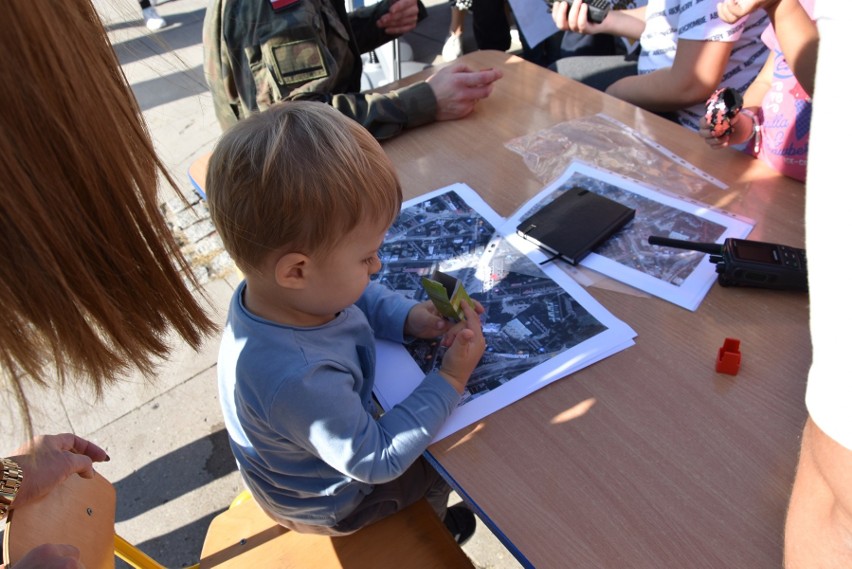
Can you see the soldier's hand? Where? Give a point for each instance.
(401, 18)
(458, 88)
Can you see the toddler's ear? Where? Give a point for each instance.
(290, 270)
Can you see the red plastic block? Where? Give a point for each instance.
(729, 357)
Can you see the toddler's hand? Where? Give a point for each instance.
(424, 321)
(450, 335)
(468, 345)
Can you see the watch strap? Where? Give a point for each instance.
(9, 484)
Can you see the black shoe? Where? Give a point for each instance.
(461, 522)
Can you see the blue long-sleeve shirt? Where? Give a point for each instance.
(298, 408)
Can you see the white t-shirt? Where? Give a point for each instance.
(828, 204)
(666, 21)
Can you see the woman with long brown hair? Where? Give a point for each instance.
(91, 278)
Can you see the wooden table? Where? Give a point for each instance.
(648, 459)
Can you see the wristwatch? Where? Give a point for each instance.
(12, 478)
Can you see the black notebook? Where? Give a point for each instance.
(575, 223)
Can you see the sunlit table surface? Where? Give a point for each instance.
(649, 458)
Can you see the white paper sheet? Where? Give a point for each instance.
(539, 324)
(678, 276)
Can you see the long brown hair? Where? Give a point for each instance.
(91, 278)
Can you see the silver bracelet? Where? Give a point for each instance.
(756, 127)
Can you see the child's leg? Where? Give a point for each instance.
(419, 481)
(452, 49)
(438, 493)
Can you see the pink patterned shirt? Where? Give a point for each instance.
(786, 114)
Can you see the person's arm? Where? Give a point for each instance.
(696, 72)
(449, 94)
(362, 24)
(797, 34)
(753, 97)
(799, 40)
(819, 519)
(326, 416)
(48, 460)
(43, 463)
(386, 310)
(376, 24)
(818, 532)
(384, 115)
(49, 556)
(249, 68)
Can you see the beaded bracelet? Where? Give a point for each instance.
(757, 123)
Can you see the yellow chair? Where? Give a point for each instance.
(82, 512)
(198, 174)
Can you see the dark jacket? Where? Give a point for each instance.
(255, 56)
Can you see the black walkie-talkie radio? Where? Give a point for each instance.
(740, 262)
(598, 9)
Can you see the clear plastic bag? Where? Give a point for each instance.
(605, 143)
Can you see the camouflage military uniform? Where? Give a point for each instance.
(254, 56)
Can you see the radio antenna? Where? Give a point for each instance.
(712, 248)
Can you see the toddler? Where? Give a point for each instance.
(302, 197)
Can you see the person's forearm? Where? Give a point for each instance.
(625, 23)
(818, 532)
(378, 113)
(695, 73)
(386, 115)
(799, 39)
(368, 36)
(754, 95)
(659, 91)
